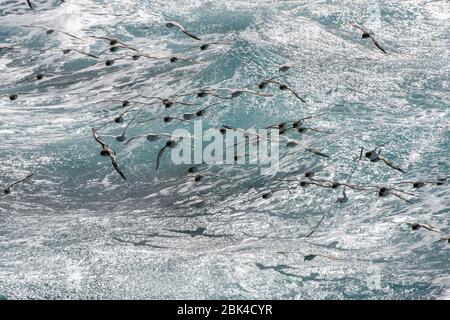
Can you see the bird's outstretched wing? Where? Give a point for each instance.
(179, 231)
(172, 24)
(298, 97)
(239, 91)
(400, 197)
(296, 94)
(111, 152)
(30, 5)
(430, 228)
(390, 164)
(378, 45)
(98, 139)
(66, 51)
(116, 166)
(20, 181)
(158, 158)
(70, 35)
(318, 153)
(446, 238)
(354, 25)
(316, 130)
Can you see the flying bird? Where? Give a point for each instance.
(385, 191)
(368, 34)
(294, 143)
(8, 189)
(282, 86)
(90, 55)
(112, 41)
(171, 143)
(416, 226)
(50, 31)
(123, 137)
(172, 24)
(107, 151)
(375, 156)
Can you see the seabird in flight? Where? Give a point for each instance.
(90, 55)
(107, 151)
(416, 226)
(8, 189)
(385, 191)
(368, 34)
(282, 86)
(173, 24)
(294, 143)
(123, 137)
(375, 156)
(50, 31)
(171, 143)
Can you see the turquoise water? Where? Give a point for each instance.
(63, 234)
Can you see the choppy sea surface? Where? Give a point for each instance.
(76, 230)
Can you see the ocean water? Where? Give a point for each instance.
(78, 231)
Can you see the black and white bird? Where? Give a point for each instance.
(416, 226)
(384, 191)
(50, 31)
(173, 24)
(8, 189)
(282, 86)
(107, 151)
(87, 54)
(123, 136)
(375, 156)
(295, 143)
(367, 34)
(170, 144)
